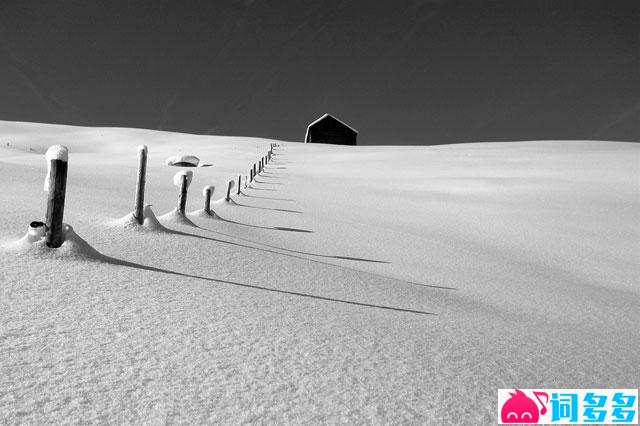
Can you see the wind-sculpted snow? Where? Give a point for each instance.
(183, 161)
(149, 223)
(73, 247)
(384, 285)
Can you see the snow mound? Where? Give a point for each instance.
(177, 178)
(223, 202)
(175, 217)
(150, 222)
(183, 161)
(204, 215)
(34, 244)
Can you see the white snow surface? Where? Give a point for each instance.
(354, 285)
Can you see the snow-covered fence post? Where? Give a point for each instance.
(254, 170)
(246, 179)
(183, 195)
(183, 179)
(239, 183)
(56, 186)
(230, 186)
(207, 192)
(142, 172)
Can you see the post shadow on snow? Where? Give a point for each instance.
(358, 259)
(121, 262)
(303, 258)
(277, 228)
(186, 234)
(284, 228)
(331, 264)
(265, 208)
(267, 198)
(261, 189)
(268, 183)
(270, 175)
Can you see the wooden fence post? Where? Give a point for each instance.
(142, 171)
(183, 194)
(207, 192)
(239, 183)
(230, 185)
(254, 170)
(182, 180)
(56, 185)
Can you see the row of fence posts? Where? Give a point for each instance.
(56, 185)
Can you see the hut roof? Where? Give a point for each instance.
(329, 115)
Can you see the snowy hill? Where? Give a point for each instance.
(348, 284)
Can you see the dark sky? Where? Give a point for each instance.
(401, 72)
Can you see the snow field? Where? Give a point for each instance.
(507, 264)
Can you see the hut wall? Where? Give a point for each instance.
(331, 131)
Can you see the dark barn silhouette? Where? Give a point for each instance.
(328, 129)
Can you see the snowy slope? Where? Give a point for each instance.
(348, 284)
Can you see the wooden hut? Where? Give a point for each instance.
(328, 129)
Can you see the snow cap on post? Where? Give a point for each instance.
(55, 152)
(177, 178)
(232, 184)
(208, 188)
(142, 148)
